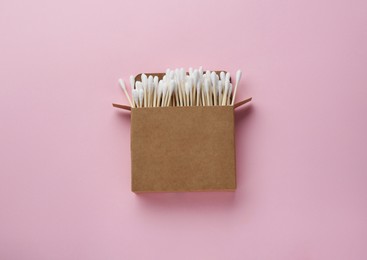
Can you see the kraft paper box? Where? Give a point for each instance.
(179, 149)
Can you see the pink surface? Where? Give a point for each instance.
(301, 145)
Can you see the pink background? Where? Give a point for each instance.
(301, 145)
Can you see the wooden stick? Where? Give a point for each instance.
(242, 102)
(121, 106)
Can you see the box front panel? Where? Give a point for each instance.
(183, 149)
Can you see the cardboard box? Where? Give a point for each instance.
(179, 149)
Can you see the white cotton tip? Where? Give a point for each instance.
(141, 96)
(189, 82)
(150, 84)
(220, 86)
(164, 78)
(190, 71)
(160, 88)
(132, 81)
(182, 72)
(168, 71)
(150, 78)
(144, 78)
(195, 76)
(172, 86)
(238, 76)
(187, 78)
(177, 75)
(206, 86)
(228, 77)
(213, 77)
(164, 87)
(122, 84)
(187, 88)
(139, 85)
(226, 86)
(136, 95)
(172, 74)
(155, 81)
(198, 87)
(144, 81)
(201, 70)
(222, 76)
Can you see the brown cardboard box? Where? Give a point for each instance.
(177, 149)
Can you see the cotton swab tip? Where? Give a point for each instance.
(141, 94)
(144, 80)
(201, 70)
(226, 86)
(238, 75)
(139, 85)
(222, 76)
(187, 88)
(164, 87)
(213, 77)
(220, 86)
(132, 81)
(135, 95)
(198, 86)
(160, 88)
(228, 76)
(206, 86)
(122, 84)
(150, 79)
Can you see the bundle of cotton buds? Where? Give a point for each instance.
(178, 88)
